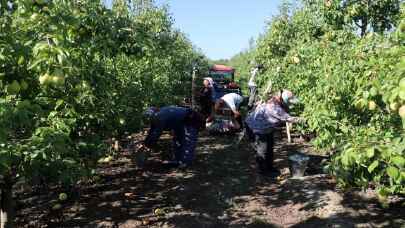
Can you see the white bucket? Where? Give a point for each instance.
(298, 164)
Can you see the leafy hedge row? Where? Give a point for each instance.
(75, 72)
(352, 87)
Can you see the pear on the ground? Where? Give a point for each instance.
(62, 196)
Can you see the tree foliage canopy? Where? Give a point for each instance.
(345, 60)
(73, 73)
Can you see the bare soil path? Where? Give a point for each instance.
(222, 189)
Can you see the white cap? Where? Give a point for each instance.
(289, 97)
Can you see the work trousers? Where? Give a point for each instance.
(184, 141)
(184, 145)
(263, 145)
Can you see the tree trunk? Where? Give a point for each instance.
(364, 21)
(6, 205)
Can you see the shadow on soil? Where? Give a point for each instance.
(125, 196)
(370, 214)
(198, 197)
(313, 192)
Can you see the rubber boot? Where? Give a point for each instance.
(269, 162)
(266, 168)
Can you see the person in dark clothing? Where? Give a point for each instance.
(184, 123)
(260, 125)
(209, 94)
(206, 97)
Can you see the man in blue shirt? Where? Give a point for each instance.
(185, 124)
(260, 125)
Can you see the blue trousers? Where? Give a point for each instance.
(184, 145)
(184, 142)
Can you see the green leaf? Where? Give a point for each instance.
(382, 192)
(36, 63)
(373, 166)
(345, 160)
(69, 161)
(393, 172)
(402, 94)
(398, 161)
(39, 47)
(59, 103)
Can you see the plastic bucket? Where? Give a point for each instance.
(298, 164)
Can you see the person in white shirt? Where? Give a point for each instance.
(253, 86)
(232, 101)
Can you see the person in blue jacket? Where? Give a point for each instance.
(184, 123)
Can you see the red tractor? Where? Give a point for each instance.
(224, 77)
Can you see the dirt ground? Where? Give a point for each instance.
(222, 189)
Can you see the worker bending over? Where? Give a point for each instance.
(185, 125)
(261, 123)
(231, 101)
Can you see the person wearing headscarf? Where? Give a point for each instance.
(260, 125)
(206, 96)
